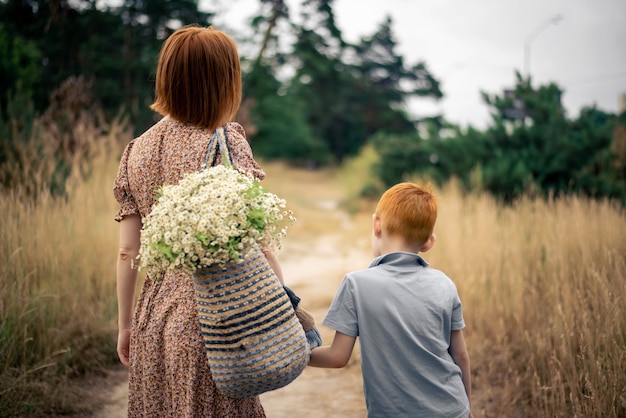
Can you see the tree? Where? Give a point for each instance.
(19, 67)
(353, 91)
(388, 83)
(329, 91)
(114, 47)
(146, 24)
(280, 128)
(274, 121)
(531, 147)
(343, 93)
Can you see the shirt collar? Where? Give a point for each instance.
(399, 258)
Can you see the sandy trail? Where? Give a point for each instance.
(315, 277)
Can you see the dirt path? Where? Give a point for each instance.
(314, 271)
(315, 276)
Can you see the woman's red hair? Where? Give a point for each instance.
(198, 78)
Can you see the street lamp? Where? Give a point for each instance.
(554, 20)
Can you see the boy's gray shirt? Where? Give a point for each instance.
(403, 313)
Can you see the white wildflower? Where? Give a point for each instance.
(211, 217)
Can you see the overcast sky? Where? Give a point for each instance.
(477, 45)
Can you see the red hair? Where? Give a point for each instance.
(408, 210)
(198, 78)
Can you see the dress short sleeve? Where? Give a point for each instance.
(241, 152)
(121, 188)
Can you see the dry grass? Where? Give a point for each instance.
(543, 286)
(57, 283)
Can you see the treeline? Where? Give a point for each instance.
(531, 148)
(310, 97)
(337, 95)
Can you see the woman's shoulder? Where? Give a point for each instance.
(240, 150)
(236, 131)
(166, 128)
(160, 126)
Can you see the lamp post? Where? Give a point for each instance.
(554, 20)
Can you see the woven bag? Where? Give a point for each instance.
(253, 339)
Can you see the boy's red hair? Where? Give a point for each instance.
(408, 210)
(198, 78)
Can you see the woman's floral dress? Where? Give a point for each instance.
(169, 373)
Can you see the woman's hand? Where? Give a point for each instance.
(123, 346)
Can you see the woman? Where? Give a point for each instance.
(198, 89)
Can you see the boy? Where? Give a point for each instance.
(408, 318)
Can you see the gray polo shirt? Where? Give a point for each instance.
(403, 312)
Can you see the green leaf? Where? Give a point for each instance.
(166, 250)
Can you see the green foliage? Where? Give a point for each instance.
(115, 47)
(353, 91)
(339, 95)
(19, 67)
(329, 94)
(531, 147)
(400, 155)
(280, 122)
(167, 250)
(256, 217)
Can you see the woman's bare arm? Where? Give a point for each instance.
(130, 233)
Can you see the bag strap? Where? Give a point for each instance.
(218, 142)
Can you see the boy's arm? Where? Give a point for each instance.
(335, 355)
(458, 351)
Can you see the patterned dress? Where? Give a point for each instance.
(169, 373)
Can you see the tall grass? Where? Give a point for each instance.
(543, 285)
(544, 290)
(57, 280)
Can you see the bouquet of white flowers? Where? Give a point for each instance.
(209, 218)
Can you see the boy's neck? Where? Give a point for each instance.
(392, 244)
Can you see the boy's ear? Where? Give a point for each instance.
(428, 244)
(376, 226)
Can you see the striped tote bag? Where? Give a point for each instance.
(253, 338)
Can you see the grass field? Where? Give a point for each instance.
(543, 285)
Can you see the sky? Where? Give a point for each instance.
(477, 45)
